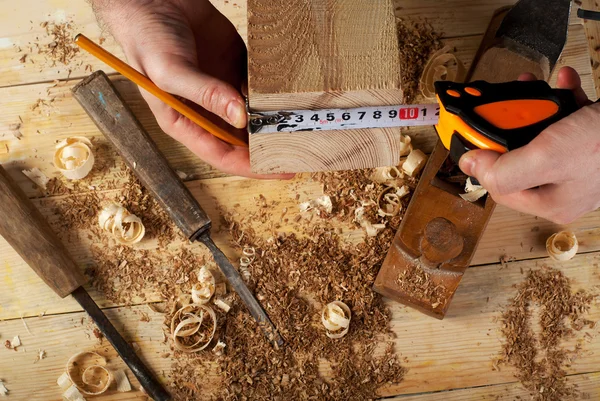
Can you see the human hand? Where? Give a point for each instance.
(555, 176)
(189, 49)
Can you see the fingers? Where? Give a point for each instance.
(568, 78)
(183, 79)
(225, 157)
(503, 174)
(527, 76)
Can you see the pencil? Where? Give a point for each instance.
(144, 82)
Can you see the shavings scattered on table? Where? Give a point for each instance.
(294, 276)
(540, 360)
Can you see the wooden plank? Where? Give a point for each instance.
(587, 384)
(509, 233)
(454, 353)
(43, 125)
(64, 335)
(317, 55)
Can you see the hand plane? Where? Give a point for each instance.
(439, 233)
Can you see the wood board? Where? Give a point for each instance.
(511, 230)
(317, 55)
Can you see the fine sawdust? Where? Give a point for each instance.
(418, 283)
(417, 41)
(294, 276)
(55, 45)
(540, 360)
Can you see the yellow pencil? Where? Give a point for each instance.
(143, 81)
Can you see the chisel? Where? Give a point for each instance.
(106, 108)
(26, 230)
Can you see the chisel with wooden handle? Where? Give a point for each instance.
(25, 229)
(99, 98)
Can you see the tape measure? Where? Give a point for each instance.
(495, 116)
(343, 119)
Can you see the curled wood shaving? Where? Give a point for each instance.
(73, 394)
(121, 381)
(219, 347)
(64, 382)
(562, 246)
(387, 175)
(371, 229)
(37, 177)
(221, 304)
(16, 342)
(74, 157)
(405, 145)
(125, 227)
(90, 368)
(321, 203)
(187, 323)
(442, 66)
(414, 163)
(336, 316)
(3, 389)
(388, 203)
(203, 291)
(473, 192)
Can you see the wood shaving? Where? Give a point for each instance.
(473, 192)
(191, 330)
(16, 342)
(74, 158)
(322, 203)
(414, 163)
(87, 371)
(3, 389)
(562, 246)
(73, 394)
(443, 65)
(125, 227)
(122, 382)
(336, 317)
(203, 291)
(64, 382)
(540, 360)
(35, 175)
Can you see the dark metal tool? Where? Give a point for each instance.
(26, 230)
(100, 99)
(588, 14)
(440, 231)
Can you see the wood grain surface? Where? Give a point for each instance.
(328, 54)
(449, 360)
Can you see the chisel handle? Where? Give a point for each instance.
(104, 105)
(25, 229)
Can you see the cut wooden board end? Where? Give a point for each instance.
(322, 54)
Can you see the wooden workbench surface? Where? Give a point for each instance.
(454, 354)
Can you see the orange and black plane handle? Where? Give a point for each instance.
(499, 117)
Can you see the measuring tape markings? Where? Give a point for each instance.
(342, 119)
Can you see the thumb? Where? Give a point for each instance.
(481, 165)
(187, 81)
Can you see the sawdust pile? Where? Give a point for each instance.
(540, 360)
(417, 41)
(293, 276)
(55, 45)
(418, 283)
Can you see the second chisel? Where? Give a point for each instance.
(104, 105)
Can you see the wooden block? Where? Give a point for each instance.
(322, 54)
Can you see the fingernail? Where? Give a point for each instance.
(467, 164)
(236, 114)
